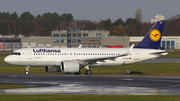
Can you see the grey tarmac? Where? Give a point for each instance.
(90, 84)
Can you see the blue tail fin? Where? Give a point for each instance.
(152, 39)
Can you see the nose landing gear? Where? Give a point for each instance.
(27, 70)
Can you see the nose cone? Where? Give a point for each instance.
(8, 59)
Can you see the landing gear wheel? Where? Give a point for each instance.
(26, 73)
(78, 73)
(27, 70)
(88, 72)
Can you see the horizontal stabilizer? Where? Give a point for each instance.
(159, 53)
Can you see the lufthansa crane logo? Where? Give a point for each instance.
(155, 35)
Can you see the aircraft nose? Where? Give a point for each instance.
(7, 59)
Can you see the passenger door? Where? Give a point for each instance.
(29, 54)
(136, 55)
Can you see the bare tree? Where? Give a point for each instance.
(138, 15)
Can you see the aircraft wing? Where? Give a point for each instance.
(101, 59)
(94, 60)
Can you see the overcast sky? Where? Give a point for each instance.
(94, 10)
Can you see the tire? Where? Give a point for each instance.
(26, 73)
(88, 72)
(78, 73)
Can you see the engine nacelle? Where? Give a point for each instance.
(69, 66)
(52, 69)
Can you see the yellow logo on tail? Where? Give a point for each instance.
(155, 35)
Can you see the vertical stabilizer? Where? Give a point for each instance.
(152, 39)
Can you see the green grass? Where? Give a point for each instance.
(154, 69)
(172, 54)
(12, 86)
(2, 56)
(5, 52)
(148, 69)
(58, 97)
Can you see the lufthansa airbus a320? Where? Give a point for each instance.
(71, 60)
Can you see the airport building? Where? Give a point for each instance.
(7, 43)
(90, 39)
(167, 42)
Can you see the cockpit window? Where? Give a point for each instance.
(15, 53)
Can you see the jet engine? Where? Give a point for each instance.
(52, 69)
(69, 66)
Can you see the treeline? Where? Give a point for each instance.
(42, 25)
(29, 25)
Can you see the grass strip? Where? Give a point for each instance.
(12, 86)
(62, 97)
(148, 69)
(173, 54)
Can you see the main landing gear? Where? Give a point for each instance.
(27, 70)
(78, 73)
(88, 72)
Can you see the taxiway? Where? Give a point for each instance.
(85, 84)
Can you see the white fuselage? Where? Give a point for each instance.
(54, 56)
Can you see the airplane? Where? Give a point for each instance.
(71, 60)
